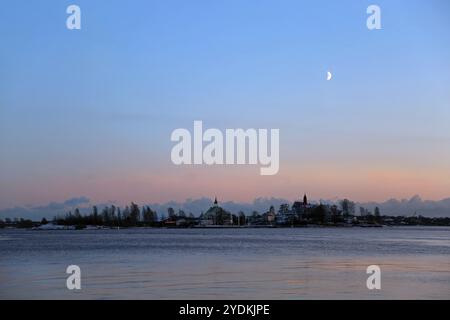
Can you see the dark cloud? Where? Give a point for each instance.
(48, 211)
(76, 201)
(198, 206)
(414, 205)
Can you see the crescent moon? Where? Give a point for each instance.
(329, 75)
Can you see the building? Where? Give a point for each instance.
(270, 216)
(302, 209)
(216, 215)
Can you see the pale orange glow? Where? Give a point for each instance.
(243, 184)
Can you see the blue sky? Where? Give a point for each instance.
(90, 112)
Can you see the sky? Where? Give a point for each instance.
(89, 113)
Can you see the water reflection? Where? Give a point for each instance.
(227, 264)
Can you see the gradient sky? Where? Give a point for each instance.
(90, 112)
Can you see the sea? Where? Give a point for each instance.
(226, 263)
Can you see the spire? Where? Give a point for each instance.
(305, 200)
(215, 201)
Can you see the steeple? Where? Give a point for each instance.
(215, 201)
(305, 200)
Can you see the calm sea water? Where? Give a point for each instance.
(298, 263)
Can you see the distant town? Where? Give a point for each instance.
(300, 214)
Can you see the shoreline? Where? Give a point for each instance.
(98, 228)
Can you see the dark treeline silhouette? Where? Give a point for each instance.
(18, 223)
(111, 216)
(300, 213)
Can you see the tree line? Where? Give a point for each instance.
(111, 216)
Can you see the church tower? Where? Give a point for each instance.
(305, 200)
(215, 202)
